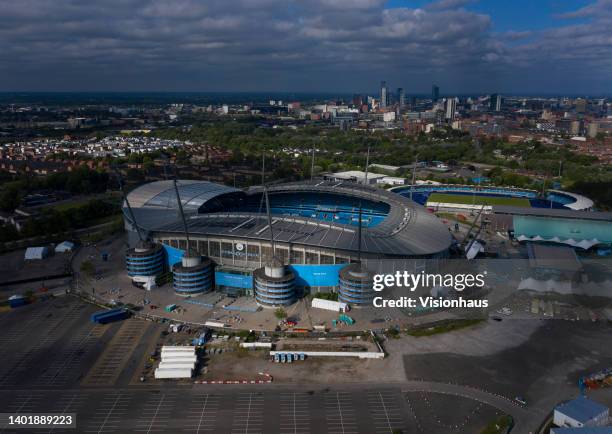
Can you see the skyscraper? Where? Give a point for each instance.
(401, 98)
(451, 108)
(384, 94)
(435, 93)
(495, 102)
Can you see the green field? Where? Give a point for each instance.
(478, 200)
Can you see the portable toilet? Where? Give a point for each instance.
(289, 358)
(302, 356)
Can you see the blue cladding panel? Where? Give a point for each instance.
(173, 255)
(305, 275)
(233, 280)
(316, 275)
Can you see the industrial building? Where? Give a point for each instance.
(315, 232)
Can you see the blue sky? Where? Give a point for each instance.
(515, 15)
(344, 46)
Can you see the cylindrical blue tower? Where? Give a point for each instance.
(193, 275)
(356, 285)
(274, 285)
(146, 259)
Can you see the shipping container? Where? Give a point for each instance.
(173, 373)
(216, 324)
(191, 350)
(176, 365)
(179, 357)
(112, 316)
(336, 306)
(95, 316)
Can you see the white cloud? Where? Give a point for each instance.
(351, 44)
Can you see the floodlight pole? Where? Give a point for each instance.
(312, 164)
(416, 160)
(180, 206)
(127, 202)
(359, 230)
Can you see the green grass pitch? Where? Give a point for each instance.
(478, 200)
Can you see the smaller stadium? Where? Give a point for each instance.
(455, 196)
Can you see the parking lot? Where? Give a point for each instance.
(53, 344)
(232, 411)
(54, 359)
(43, 343)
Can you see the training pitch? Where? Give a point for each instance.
(470, 199)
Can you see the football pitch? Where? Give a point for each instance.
(469, 199)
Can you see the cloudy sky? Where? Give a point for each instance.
(518, 46)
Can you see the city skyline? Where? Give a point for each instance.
(465, 47)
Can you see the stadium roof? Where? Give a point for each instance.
(580, 202)
(407, 230)
(161, 194)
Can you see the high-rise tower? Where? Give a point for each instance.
(384, 94)
(401, 98)
(435, 93)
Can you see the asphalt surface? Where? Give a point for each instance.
(54, 360)
(250, 410)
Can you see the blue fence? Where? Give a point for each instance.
(242, 308)
(199, 303)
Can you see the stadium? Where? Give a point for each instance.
(315, 230)
(472, 196)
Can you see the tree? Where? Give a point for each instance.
(280, 313)
(88, 268)
(135, 175)
(10, 198)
